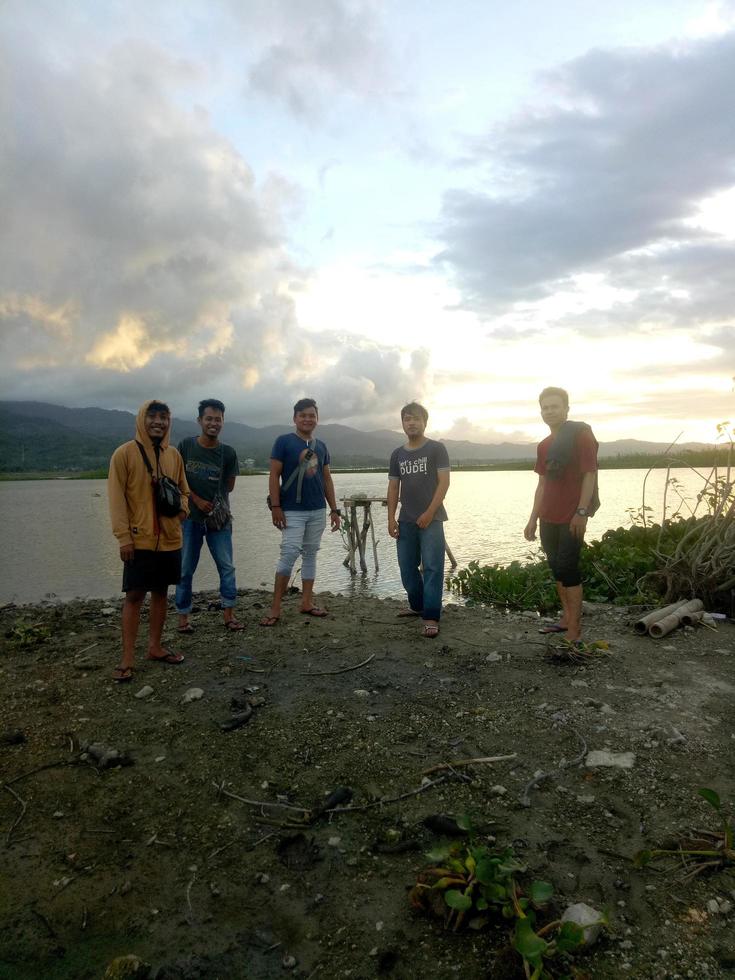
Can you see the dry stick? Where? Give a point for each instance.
(31, 772)
(342, 670)
(468, 762)
(188, 893)
(393, 799)
(241, 799)
(525, 800)
(86, 649)
(24, 807)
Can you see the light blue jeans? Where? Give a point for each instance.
(302, 535)
(422, 546)
(220, 548)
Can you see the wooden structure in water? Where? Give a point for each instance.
(358, 510)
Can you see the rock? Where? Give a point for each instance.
(129, 967)
(493, 658)
(144, 692)
(360, 693)
(713, 906)
(108, 611)
(13, 736)
(288, 962)
(589, 919)
(105, 756)
(616, 760)
(498, 790)
(193, 694)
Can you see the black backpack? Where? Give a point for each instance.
(166, 493)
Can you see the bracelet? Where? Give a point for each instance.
(276, 507)
(336, 510)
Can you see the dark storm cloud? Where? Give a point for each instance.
(636, 138)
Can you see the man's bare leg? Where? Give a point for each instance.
(157, 618)
(307, 593)
(130, 622)
(573, 612)
(279, 590)
(562, 593)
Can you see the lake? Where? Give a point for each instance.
(58, 542)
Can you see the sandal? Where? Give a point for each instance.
(407, 613)
(233, 626)
(123, 675)
(186, 628)
(553, 628)
(169, 658)
(269, 620)
(314, 611)
(430, 631)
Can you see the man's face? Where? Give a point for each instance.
(211, 422)
(413, 425)
(156, 424)
(306, 420)
(553, 410)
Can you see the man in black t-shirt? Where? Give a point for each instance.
(211, 468)
(419, 475)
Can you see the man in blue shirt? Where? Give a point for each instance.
(300, 486)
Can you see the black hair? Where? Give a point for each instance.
(413, 408)
(555, 393)
(158, 407)
(210, 403)
(304, 403)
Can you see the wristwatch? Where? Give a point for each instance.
(582, 511)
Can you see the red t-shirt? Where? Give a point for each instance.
(561, 494)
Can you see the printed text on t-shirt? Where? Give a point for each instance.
(409, 466)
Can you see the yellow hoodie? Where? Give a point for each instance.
(130, 493)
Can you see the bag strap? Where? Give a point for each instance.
(298, 474)
(145, 458)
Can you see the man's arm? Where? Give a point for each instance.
(116, 482)
(578, 524)
(442, 485)
(394, 485)
(234, 469)
(334, 517)
(183, 486)
(529, 532)
(274, 489)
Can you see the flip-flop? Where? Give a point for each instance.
(122, 675)
(553, 628)
(430, 631)
(269, 620)
(406, 613)
(187, 628)
(314, 611)
(170, 658)
(233, 626)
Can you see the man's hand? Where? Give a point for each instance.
(279, 518)
(529, 531)
(423, 520)
(205, 506)
(127, 552)
(577, 526)
(393, 528)
(334, 520)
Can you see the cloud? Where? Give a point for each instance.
(464, 429)
(633, 140)
(315, 51)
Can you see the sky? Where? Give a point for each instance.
(372, 202)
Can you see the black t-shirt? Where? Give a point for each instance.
(207, 471)
(417, 471)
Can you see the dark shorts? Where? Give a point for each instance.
(152, 571)
(562, 550)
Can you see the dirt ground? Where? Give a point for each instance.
(159, 858)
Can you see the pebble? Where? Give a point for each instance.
(108, 611)
(578, 683)
(615, 760)
(334, 841)
(288, 962)
(160, 758)
(493, 658)
(498, 790)
(193, 694)
(587, 918)
(360, 693)
(144, 692)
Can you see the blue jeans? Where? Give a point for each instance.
(302, 535)
(422, 546)
(220, 548)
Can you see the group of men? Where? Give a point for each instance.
(161, 549)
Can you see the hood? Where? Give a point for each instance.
(141, 435)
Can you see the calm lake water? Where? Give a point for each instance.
(59, 542)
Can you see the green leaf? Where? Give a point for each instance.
(569, 937)
(444, 883)
(486, 870)
(481, 904)
(540, 892)
(464, 822)
(642, 858)
(457, 900)
(527, 943)
(494, 892)
(438, 855)
(711, 797)
(478, 922)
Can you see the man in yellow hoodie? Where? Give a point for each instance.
(150, 544)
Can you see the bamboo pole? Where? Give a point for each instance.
(642, 625)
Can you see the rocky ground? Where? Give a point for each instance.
(187, 829)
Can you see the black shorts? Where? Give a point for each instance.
(562, 550)
(152, 571)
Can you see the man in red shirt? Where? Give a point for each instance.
(566, 495)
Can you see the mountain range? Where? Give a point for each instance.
(37, 436)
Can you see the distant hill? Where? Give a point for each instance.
(39, 436)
